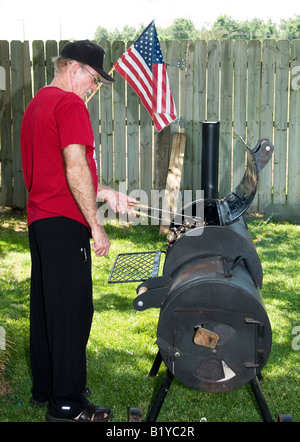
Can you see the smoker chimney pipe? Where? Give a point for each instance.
(210, 159)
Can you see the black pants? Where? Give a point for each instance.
(61, 310)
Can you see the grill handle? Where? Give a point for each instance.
(152, 293)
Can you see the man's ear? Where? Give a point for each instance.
(73, 68)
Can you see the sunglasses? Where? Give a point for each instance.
(97, 80)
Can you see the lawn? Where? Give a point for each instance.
(122, 347)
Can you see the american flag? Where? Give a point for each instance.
(143, 67)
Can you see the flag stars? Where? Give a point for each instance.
(148, 46)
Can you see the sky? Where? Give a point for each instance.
(74, 19)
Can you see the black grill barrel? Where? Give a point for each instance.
(213, 331)
(210, 159)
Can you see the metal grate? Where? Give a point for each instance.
(134, 267)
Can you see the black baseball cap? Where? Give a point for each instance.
(89, 53)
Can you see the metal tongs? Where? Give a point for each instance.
(170, 212)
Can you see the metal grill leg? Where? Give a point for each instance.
(161, 395)
(156, 364)
(261, 401)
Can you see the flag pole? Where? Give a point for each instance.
(98, 87)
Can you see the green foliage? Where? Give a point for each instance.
(291, 28)
(224, 27)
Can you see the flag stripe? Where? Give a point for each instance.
(132, 65)
(135, 82)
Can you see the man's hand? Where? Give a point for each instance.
(101, 243)
(118, 201)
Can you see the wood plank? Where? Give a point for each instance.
(280, 124)
(38, 62)
(51, 51)
(172, 191)
(94, 110)
(253, 105)
(5, 129)
(239, 114)
(172, 56)
(133, 160)
(213, 80)
(199, 110)
(162, 151)
(27, 78)
(226, 118)
(294, 131)
(19, 190)
(118, 48)
(188, 48)
(106, 156)
(146, 145)
(267, 112)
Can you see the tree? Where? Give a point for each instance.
(291, 28)
(224, 27)
(183, 28)
(101, 34)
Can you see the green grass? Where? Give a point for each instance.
(122, 347)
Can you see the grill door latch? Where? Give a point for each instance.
(152, 293)
(173, 352)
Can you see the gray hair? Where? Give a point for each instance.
(60, 62)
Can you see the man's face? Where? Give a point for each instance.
(83, 80)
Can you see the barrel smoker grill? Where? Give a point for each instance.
(213, 332)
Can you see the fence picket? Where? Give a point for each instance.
(199, 110)
(38, 61)
(213, 80)
(226, 117)
(106, 157)
(267, 113)
(281, 119)
(5, 128)
(118, 48)
(133, 166)
(239, 114)
(294, 123)
(19, 193)
(187, 47)
(253, 105)
(51, 51)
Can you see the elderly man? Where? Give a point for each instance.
(60, 173)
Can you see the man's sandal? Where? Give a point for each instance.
(91, 413)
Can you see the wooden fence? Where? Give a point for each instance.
(252, 88)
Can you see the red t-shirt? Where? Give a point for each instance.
(53, 120)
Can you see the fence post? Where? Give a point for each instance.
(5, 129)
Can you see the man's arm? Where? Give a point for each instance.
(80, 182)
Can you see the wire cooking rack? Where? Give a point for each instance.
(134, 267)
